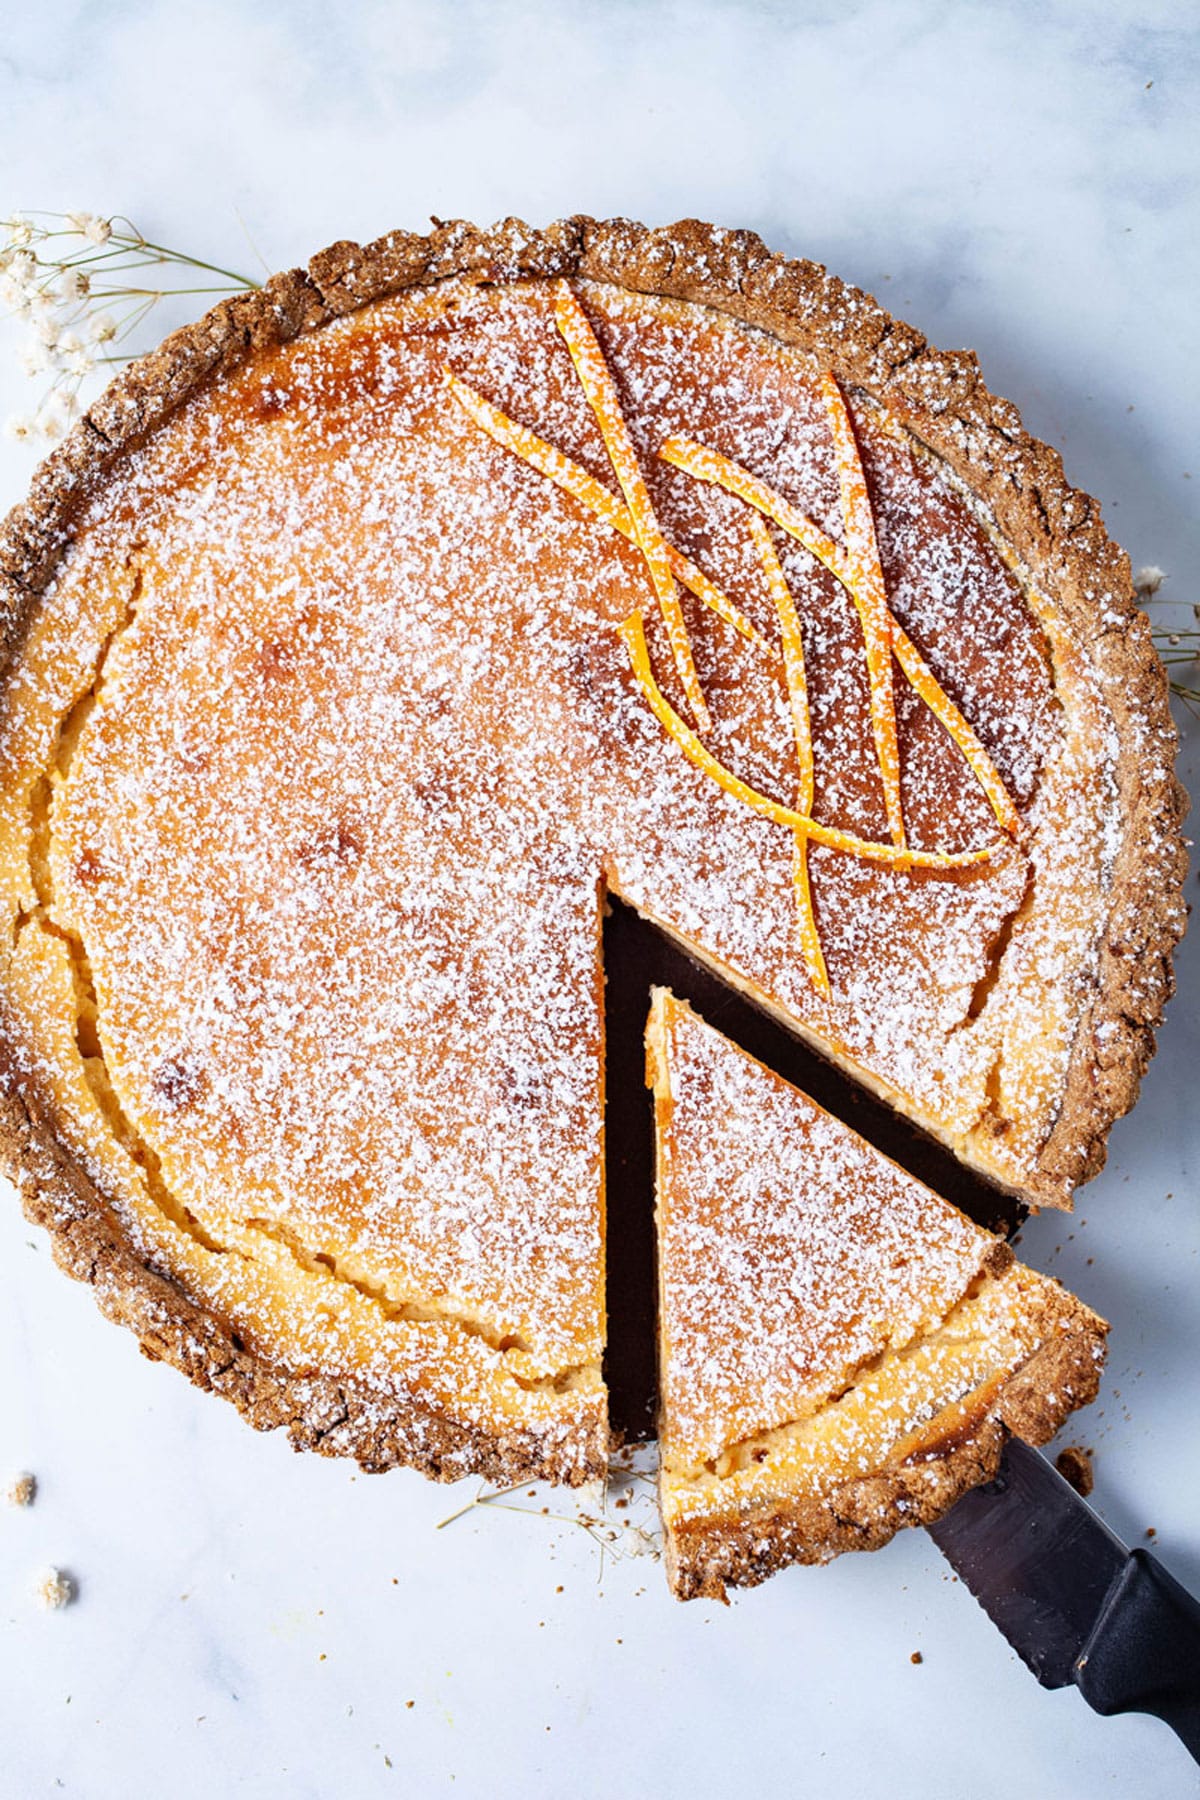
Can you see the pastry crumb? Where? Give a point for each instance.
(916, 1657)
(56, 1589)
(1074, 1464)
(22, 1489)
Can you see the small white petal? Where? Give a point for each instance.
(74, 284)
(1148, 580)
(20, 427)
(33, 358)
(52, 421)
(97, 231)
(103, 328)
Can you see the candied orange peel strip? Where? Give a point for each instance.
(797, 685)
(709, 465)
(870, 596)
(896, 856)
(590, 493)
(927, 687)
(597, 384)
(856, 566)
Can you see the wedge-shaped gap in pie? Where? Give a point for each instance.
(639, 956)
(842, 1351)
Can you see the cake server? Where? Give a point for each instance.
(1076, 1604)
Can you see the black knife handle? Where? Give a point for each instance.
(1144, 1651)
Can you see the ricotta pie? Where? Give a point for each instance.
(841, 1350)
(360, 641)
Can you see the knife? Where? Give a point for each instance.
(1075, 1604)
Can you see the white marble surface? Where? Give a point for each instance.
(1016, 177)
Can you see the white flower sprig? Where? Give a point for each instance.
(82, 285)
(1178, 646)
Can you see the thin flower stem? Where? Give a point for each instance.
(194, 262)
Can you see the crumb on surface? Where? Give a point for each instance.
(22, 1489)
(1074, 1464)
(916, 1657)
(56, 1589)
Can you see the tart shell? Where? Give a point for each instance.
(938, 396)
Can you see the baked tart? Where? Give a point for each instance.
(841, 1350)
(367, 635)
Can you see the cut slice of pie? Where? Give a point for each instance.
(841, 1351)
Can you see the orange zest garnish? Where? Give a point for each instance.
(793, 665)
(870, 596)
(793, 657)
(896, 856)
(597, 384)
(925, 684)
(590, 493)
(709, 465)
(856, 566)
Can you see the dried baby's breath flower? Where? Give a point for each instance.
(86, 283)
(1179, 647)
(74, 284)
(20, 427)
(34, 358)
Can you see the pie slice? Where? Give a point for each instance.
(841, 1351)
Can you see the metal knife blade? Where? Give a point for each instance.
(1036, 1557)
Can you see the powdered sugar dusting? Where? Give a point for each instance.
(368, 747)
(791, 1251)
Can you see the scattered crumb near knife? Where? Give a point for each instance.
(56, 1589)
(1074, 1464)
(22, 1489)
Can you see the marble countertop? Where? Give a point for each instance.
(1020, 178)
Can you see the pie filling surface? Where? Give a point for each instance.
(839, 1346)
(356, 687)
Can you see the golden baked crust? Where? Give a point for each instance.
(940, 400)
(705, 1557)
(841, 1351)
